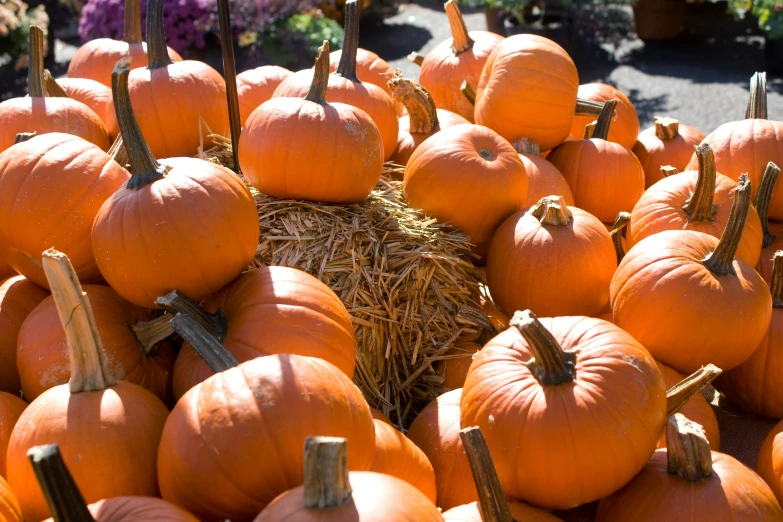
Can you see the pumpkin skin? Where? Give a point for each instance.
(11, 408)
(519, 417)
(528, 89)
(370, 68)
(520, 511)
(97, 97)
(436, 431)
(256, 86)
(9, 507)
(95, 59)
(6, 271)
(768, 462)
(258, 397)
(455, 370)
(625, 126)
(697, 409)
(376, 498)
(408, 142)
(397, 456)
(377, 415)
(543, 179)
(653, 151)
(59, 179)
(18, 297)
(137, 509)
(449, 178)
(273, 310)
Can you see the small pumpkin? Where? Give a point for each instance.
(708, 307)
(256, 86)
(454, 367)
(625, 124)
(306, 148)
(11, 408)
(455, 60)
(9, 506)
(94, 95)
(543, 178)
(397, 456)
(668, 142)
(695, 408)
(370, 68)
(773, 232)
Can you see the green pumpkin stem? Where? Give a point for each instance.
(492, 500)
(588, 107)
(687, 449)
(620, 232)
(461, 40)
(468, 92)
(131, 33)
(326, 479)
(177, 302)
(157, 51)
(680, 393)
(149, 333)
(666, 128)
(700, 206)
(320, 83)
(552, 210)
(422, 113)
(776, 284)
(62, 495)
(601, 131)
(764, 198)
(347, 66)
(35, 69)
(721, 261)
(550, 365)
(757, 104)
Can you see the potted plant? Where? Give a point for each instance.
(770, 20)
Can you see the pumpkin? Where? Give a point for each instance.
(467, 176)
(528, 89)
(605, 177)
(346, 88)
(669, 143)
(768, 462)
(397, 456)
(519, 510)
(460, 58)
(435, 430)
(51, 189)
(259, 396)
(696, 408)
(256, 86)
(377, 415)
(18, 297)
(306, 148)
(687, 481)
(625, 124)
(94, 95)
(6, 271)
(543, 178)
(159, 250)
(581, 373)
(694, 200)
(773, 232)
(619, 232)
(11, 408)
(9, 506)
(454, 367)
(331, 493)
(177, 104)
(370, 68)
(708, 307)
(107, 430)
(422, 120)
(41, 114)
(274, 310)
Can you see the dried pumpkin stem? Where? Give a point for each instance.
(757, 104)
(492, 500)
(620, 232)
(776, 284)
(118, 152)
(209, 349)
(680, 393)
(347, 65)
(230, 76)
(588, 107)
(605, 120)
(35, 69)
(157, 51)
(150, 333)
(422, 113)
(764, 198)
(689, 454)
(131, 33)
(527, 147)
(62, 495)
(53, 89)
(461, 40)
(24, 136)
(89, 369)
(720, 262)
(317, 92)
(700, 206)
(468, 92)
(416, 58)
(668, 170)
(552, 210)
(666, 128)
(177, 302)
(550, 364)
(589, 130)
(326, 478)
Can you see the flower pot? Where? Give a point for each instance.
(659, 19)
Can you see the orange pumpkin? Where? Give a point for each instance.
(543, 178)
(256, 86)
(96, 96)
(9, 506)
(51, 189)
(687, 481)
(456, 363)
(694, 200)
(584, 373)
(397, 456)
(460, 58)
(605, 177)
(345, 87)
(769, 463)
(108, 430)
(273, 310)
(519, 510)
(696, 409)
(467, 176)
(159, 250)
(528, 89)
(370, 68)
(6, 271)
(11, 408)
(294, 148)
(625, 124)
(669, 142)
(42, 115)
(136, 509)
(708, 307)
(773, 232)
(377, 415)
(552, 259)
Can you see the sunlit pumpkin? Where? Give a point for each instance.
(543, 178)
(256, 86)
(11, 408)
(625, 126)
(668, 142)
(397, 456)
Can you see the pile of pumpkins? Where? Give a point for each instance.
(617, 263)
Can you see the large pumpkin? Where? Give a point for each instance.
(11, 408)
(543, 178)
(370, 68)
(569, 393)
(159, 249)
(256, 86)
(94, 95)
(552, 259)
(306, 148)
(685, 297)
(108, 430)
(694, 200)
(467, 176)
(9, 506)
(397, 456)
(18, 297)
(669, 142)
(456, 363)
(625, 127)
(528, 89)
(696, 409)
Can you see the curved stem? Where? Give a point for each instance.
(468, 92)
(589, 130)
(668, 170)
(588, 107)
(492, 500)
(525, 146)
(699, 206)
(35, 69)
(416, 58)
(317, 92)
(62, 495)
(24, 136)
(53, 89)
(687, 449)
(131, 33)
(620, 232)
(211, 351)
(145, 169)
(347, 65)
(666, 128)
(89, 369)
(552, 210)
(150, 333)
(776, 284)
(326, 479)
(764, 198)
(720, 262)
(550, 365)
(461, 40)
(422, 113)
(157, 51)
(605, 120)
(177, 302)
(680, 393)
(757, 104)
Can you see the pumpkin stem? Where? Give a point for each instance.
(62, 495)
(145, 169)
(461, 40)
(468, 92)
(720, 262)
(680, 393)
(776, 284)
(131, 33)
(422, 113)
(177, 302)
(217, 357)
(35, 69)
(668, 170)
(24, 136)
(605, 120)
(326, 479)
(118, 152)
(317, 92)
(150, 333)
(620, 232)
(347, 65)
(552, 210)
(53, 89)
(550, 365)
(525, 146)
(589, 130)
(89, 370)
(666, 128)
(687, 449)
(757, 104)
(763, 199)
(588, 107)
(416, 58)
(157, 51)
(492, 500)
(700, 206)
